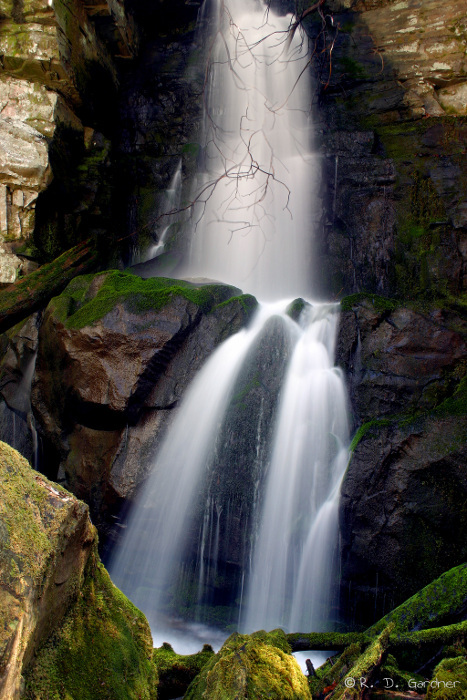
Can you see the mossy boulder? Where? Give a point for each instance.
(101, 651)
(116, 353)
(251, 667)
(449, 681)
(65, 630)
(45, 541)
(176, 671)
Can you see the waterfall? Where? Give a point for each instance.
(252, 225)
(254, 195)
(291, 577)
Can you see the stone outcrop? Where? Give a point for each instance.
(392, 131)
(19, 348)
(403, 494)
(58, 70)
(398, 359)
(130, 347)
(402, 510)
(394, 188)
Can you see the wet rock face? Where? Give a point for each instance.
(115, 355)
(402, 503)
(403, 512)
(400, 360)
(229, 498)
(19, 349)
(393, 139)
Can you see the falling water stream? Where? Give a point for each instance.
(253, 226)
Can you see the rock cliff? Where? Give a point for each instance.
(392, 132)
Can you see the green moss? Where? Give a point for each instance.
(455, 405)
(390, 669)
(102, 650)
(91, 297)
(352, 68)
(445, 596)
(365, 664)
(248, 302)
(177, 671)
(436, 635)
(295, 309)
(449, 680)
(29, 523)
(325, 640)
(329, 673)
(378, 302)
(251, 668)
(367, 427)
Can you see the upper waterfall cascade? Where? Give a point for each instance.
(252, 226)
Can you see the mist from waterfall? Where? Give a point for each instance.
(252, 226)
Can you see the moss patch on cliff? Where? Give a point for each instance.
(91, 297)
(379, 303)
(102, 651)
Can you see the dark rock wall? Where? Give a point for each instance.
(391, 127)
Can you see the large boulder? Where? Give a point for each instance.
(115, 355)
(65, 629)
(45, 542)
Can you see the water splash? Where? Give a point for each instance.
(168, 216)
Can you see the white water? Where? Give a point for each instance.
(148, 561)
(253, 227)
(170, 204)
(259, 181)
(292, 571)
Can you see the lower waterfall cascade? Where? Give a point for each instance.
(252, 225)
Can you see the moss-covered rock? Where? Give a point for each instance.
(65, 630)
(115, 355)
(45, 540)
(445, 598)
(449, 681)
(101, 651)
(176, 671)
(253, 667)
